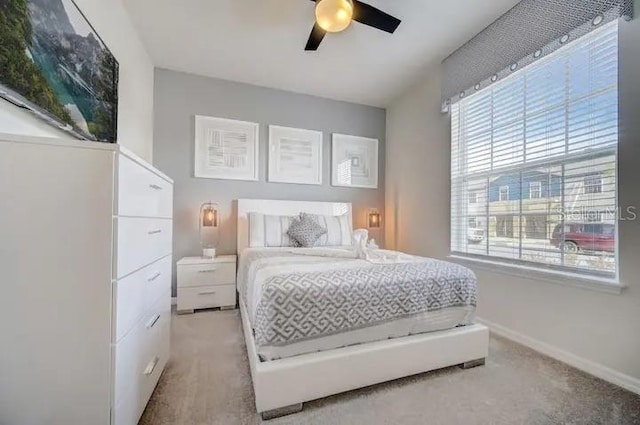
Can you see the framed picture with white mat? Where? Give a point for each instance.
(226, 149)
(295, 155)
(354, 161)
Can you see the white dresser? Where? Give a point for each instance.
(86, 269)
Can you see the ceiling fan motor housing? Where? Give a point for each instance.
(336, 15)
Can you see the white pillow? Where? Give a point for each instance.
(338, 227)
(270, 230)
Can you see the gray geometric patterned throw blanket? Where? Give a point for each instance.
(292, 298)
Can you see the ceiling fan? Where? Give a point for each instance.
(337, 15)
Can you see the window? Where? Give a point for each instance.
(503, 195)
(593, 216)
(544, 139)
(535, 190)
(472, 223)
(592, 229)
(593, 183)
(609, 230)
(535, 226)
(473, 197)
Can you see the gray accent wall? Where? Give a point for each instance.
(178, 97)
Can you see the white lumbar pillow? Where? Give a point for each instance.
(270, 230)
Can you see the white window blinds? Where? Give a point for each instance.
(533, 171)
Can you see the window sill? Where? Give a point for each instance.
(610, 286)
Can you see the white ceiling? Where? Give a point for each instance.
(262, 42)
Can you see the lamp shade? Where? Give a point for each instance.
(374, 219)
(209, 216)
(208, 223)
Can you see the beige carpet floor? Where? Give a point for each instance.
(207, 382)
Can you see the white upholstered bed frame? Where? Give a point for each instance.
(281, 386)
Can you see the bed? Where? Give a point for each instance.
(320, 321)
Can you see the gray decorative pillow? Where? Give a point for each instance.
(305, 231)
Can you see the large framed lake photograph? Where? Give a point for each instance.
(54, 64)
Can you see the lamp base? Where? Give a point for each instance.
(208, 253)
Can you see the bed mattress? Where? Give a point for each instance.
(301, 300)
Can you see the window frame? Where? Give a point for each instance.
(593, 217)
(538, 184)
(593, 188)
(500, 197)
(473, 199)
(568, 159)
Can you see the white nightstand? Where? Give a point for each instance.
(206, 283)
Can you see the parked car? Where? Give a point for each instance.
(475, 234)
(584, 237)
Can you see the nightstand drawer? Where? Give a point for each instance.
(206, 274)
(206, 297)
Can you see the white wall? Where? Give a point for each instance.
(135, 106)
(596, 331)
(417, 172)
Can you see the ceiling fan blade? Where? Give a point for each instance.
(316, 36)
(373, 17)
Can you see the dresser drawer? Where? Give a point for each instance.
(142, 193)
(131, 407)
(206, 297)
(136, 294)
(141, 241)
(154, 369)
(138, 362)
(206, 274)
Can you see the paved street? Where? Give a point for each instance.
(541, 250)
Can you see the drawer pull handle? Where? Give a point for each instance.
(206, 293)
(155, 187)
(153, 321)
(154, 277)
(153, 232)
(207, 271)
(151, 366)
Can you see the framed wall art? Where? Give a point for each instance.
(226, 149)
(354, 161)
(295, 155)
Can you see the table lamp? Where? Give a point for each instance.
(208, 225)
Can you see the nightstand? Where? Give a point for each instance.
(206, 283)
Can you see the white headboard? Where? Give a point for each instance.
(265, 206)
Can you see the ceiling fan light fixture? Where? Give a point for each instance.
(334, 15)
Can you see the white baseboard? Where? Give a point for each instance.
(603, 372)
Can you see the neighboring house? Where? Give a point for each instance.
(535, 185)
(538, 193)
(531, 203)
(477, 206)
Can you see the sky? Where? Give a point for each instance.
(77, 20)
